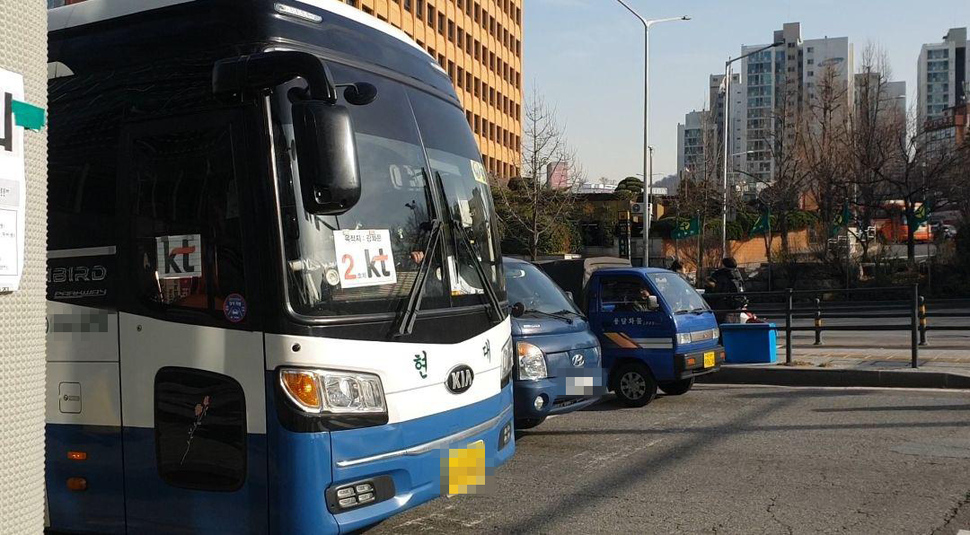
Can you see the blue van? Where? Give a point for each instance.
(656, 331)
(557, 365)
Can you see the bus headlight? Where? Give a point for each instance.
(532, 363)
(334, 392)
(506, 359)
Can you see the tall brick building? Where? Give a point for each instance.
(479, 43)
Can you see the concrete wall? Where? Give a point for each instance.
(23, 49)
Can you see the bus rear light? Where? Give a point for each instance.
(77, 455)
(77, 484)
(302, 388)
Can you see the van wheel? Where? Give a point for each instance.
(528, 423)
(635, 385)
(677, 388)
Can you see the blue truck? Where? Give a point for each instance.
(655, 330)
(557, 358)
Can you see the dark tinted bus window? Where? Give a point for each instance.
(187, 218)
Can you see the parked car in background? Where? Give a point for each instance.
(557, 364)
(656, 331)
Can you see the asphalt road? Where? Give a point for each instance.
(727, 459)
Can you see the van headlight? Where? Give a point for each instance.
(532, 363)
(333, 392)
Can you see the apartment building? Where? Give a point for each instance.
(942, 81)
(691, 139)
(781, 83)
(479, 44)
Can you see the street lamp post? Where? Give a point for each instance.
(727, 130)
(646, 116)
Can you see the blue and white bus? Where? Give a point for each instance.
(276, 301)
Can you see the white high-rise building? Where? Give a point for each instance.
(780, 83)
(942, 75)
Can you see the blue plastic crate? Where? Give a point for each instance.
(749, 343)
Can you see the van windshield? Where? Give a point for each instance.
(679, 295)
(535, 290)
(366, 260)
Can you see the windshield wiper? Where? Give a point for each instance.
(700, 310)
(556, 315)
(405, 322)
(496, 306)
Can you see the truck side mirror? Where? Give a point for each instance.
(652, 303)
(327, 152)
(517, 310)
(570, 296)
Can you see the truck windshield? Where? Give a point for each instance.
(365, 261)
(535, 290)
(679, 295)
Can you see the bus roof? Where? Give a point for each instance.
(91, 11)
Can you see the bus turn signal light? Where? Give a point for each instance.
(77, 484)
(77, 455)
(302, 388)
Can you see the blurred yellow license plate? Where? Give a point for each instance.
(709, 359)
(466, 469)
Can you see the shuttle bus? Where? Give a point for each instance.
(276, 301)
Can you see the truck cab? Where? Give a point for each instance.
(655, 330)
(557, 366)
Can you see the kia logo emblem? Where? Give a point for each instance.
(459, 379)
(578, 360)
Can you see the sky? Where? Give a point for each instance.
(585, 57)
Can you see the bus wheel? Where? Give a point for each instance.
(528, 423)
(677, 388)
(635, 385)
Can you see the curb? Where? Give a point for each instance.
(792, 376)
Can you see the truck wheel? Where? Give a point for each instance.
(677, 388)
(635, 385)
(528, 423)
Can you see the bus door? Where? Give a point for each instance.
(192, 380)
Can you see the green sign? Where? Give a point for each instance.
(762, 225)
(686, 228)
(841, 220)
(921, 214)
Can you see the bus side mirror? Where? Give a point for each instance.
(327, 152)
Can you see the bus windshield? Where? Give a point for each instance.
(410, 146)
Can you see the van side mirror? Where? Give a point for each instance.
(327, 152)
(652, 303)
(517, 310)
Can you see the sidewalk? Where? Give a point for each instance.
(847, 364)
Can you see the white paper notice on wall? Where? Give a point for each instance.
(12, 184)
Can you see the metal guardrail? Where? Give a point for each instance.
(790, 304)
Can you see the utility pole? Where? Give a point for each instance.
(23, 256)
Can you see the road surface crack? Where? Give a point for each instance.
(771, 511)
(952, 513)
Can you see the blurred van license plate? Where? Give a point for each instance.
(709, 359)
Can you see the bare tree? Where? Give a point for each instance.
(533, 208)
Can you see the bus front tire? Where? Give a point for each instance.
(635, 385)
(677, 388)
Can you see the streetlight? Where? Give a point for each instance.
(727, 130)
(647, 159)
